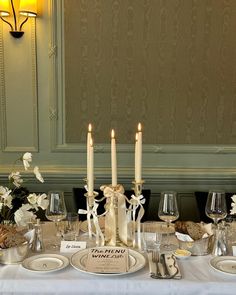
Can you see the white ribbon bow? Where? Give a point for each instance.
(93, 212)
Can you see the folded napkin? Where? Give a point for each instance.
(158, 268)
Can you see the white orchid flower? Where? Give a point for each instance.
(4, 192)
(27, 158)
(42, 201)
(15, 178)
(233, 210)
(32, 198)
(22, 216)
(8, 201)
(234, 198)
(233, 205)
(38, 174)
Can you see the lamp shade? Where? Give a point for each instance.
(28, 8)
(4, 8)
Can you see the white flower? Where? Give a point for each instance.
(233, 205)
(4, 192)
(38, 174)
(5, 197)
(16, 179)
(27, 158)
(32, 198)
(1, 204)
(234, 198)
(8, 201)
(22, 216)
(42, 201)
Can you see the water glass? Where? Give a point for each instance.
(152, 235)
(71, 231)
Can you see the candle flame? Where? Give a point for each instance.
(136, 136)
(90, 127)
(112, 133)
(139, 127)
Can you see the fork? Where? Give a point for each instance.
(155, 259)
(158, 274)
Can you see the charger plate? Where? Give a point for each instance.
(224, 264)
(136, 262)
(45, 263)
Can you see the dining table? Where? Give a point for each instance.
(197, 277)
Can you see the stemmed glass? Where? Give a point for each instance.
(168, 212)
(216, 210)
(56, 211)
(216, 206)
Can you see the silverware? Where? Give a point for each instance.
(163, 262)
(164, 274)
(155, 259)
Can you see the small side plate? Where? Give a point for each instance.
(45, 263)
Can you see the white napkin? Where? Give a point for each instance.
(171, 264)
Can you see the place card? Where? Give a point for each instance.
(72, 246)
(107, 260)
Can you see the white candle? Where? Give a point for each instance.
(139, 154)
(113, 159)
(135, 155)
(90, 175)
(89, 137)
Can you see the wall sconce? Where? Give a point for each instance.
(27, 8)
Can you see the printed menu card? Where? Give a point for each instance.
(107, 260)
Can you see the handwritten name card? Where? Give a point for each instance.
(107, 260)
(72, 246)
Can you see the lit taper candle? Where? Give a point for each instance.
(138, 168)
(91, 174)
(113, 159)
(89, 137)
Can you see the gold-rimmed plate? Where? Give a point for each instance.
(45, 263)
(136, 262)
(224, 264)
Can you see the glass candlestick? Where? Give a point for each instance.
(138, 204)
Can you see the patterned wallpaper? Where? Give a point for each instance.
(170, 64)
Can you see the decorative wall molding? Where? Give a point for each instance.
(57, 103)
(3, 93)
(6, 114)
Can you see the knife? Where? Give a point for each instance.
(163, 263)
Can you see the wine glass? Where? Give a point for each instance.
(56, 211)
(168, 212)
(216, 210)
(216, 206)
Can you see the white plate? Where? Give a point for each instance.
(225, 264)
(45, 263)
(136, 262)
(84, 225)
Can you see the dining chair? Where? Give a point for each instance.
(80, 201)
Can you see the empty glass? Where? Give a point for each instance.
(168, 212)
(152, 235)
(216, 206)
(71, 230)
(56, 211)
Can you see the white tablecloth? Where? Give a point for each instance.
(197, 278)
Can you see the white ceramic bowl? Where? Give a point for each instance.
(182, 253)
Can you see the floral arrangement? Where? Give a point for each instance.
(233, 205)
(17, 204)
